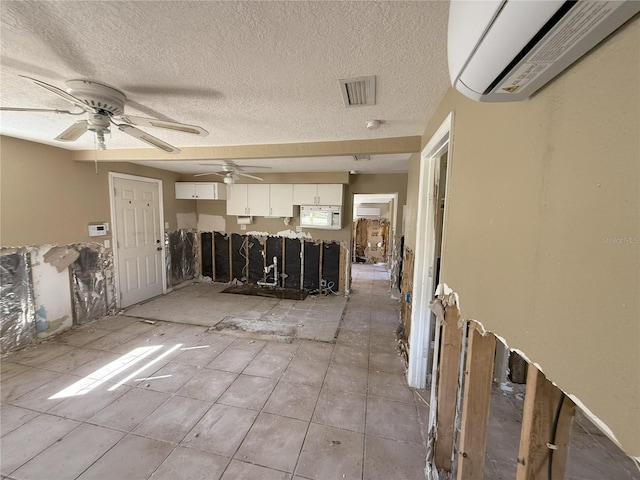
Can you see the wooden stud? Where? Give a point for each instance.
(476, 401)
(448, 371)
(230, 259)
(342, 274)
(320, 264)
(540, 407)
(213, 256)
(283, 267)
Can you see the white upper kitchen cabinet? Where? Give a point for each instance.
(248, 199)
(317, 194)
(281, 200)
(200, 191)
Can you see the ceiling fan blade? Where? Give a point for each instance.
(212, 173)
(20, 109)
(61, 93)
(145, 137)
(235, 166)
(250, 176)
(74, 132)
(152, 122)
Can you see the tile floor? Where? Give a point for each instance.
(123, 399)
(204, 304)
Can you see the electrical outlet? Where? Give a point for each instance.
(243, 227)
(298, 229)
(323, 283)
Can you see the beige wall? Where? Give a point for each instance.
(539, 193)
(358, 184)
(46, 198)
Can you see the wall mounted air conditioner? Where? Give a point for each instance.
(505, 50)
(367, 212)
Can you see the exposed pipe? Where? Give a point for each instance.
(274, 267)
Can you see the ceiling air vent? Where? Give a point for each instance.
(358, 91)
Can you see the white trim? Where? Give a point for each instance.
(114, 232)
(423, 287)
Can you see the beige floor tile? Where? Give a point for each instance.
(169, 378)
(391, 419)
(133, 457)
(389, 385)
(190, 464)
(22, 444)
(346, 378)
(386, 362)
(341, 409)
(331, 453)
(71, 455)
(221, 430)
(268, 365)
(232, 360)
(129, 410)
(208, 385)
(386, 459)
(307, 371)
(173, 420)
(38, 355)
(12, 417)
(39, 398)
(246, 471)
(293, 400)
(273, 442)
(248, 391)
(24, 382)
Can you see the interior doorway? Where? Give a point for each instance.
(374, 227)
(138, 241)
(435, 168)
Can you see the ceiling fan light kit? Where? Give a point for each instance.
(104, 106)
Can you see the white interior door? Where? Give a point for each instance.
(139, 239)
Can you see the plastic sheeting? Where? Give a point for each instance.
(89, 283)
(182, 256)
(17, 303)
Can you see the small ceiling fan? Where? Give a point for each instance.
(230, 171)
(104, 106)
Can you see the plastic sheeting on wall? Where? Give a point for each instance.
(89, 283)
(16, 305)
(181, 256)
(206, 245)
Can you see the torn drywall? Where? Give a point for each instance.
(51, 288)
(211, 223)
(61, 257)
(186, 221)
(17, 327)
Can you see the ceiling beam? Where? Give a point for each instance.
(283, 150)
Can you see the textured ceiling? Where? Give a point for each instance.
(248, 72)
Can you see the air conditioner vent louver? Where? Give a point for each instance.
(358, 91)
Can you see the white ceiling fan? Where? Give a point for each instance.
(104, 106)
(230, 171)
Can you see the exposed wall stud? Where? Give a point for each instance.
(541, 413)
(448, 387)
(475, 405)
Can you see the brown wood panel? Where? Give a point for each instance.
(343, 269)
(541, 404)
(475, 405)
(448, 371)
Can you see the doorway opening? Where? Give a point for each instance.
(374, 227)
(435, 164)
(137, 219)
